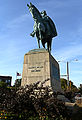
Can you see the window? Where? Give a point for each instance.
(7, 81)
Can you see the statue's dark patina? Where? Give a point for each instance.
(44, 28)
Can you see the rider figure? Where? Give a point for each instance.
(50, 27)
(44, 14)
(46, 20)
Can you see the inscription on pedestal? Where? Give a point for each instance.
(35, 68)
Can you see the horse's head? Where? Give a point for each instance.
(34, 11)
(30, 6)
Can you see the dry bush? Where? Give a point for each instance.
(32, 101)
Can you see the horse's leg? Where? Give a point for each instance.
(38, 40)
(43, 43)
(38, 43)
(50, 43)
(48, 46)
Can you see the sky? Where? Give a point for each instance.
(16, 24)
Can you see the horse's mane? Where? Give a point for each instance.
(37, 11)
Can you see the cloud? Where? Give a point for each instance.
(18, 21)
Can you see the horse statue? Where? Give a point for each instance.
(44, 28)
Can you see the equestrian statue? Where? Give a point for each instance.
(44, 27)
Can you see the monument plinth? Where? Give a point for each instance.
(40, 65)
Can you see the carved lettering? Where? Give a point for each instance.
(35, 70)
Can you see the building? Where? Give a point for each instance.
(6, 79)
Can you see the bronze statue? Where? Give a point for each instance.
(44, 28)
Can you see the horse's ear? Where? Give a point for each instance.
(28, 5)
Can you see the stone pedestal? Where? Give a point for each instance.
(40, 65)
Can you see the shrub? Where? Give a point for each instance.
(32, 102)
